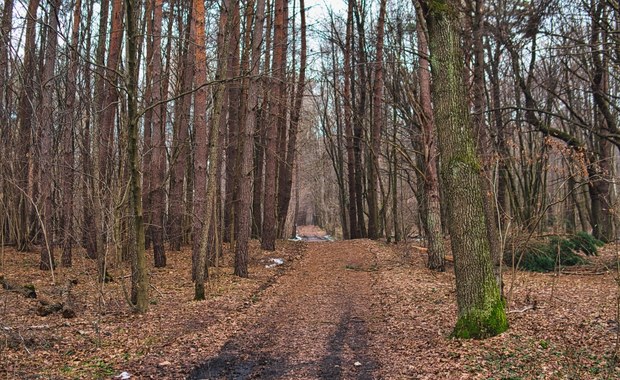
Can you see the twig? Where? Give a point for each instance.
(528, 307)
(157, 290)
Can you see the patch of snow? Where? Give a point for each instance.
(274, 262)
(123, 376)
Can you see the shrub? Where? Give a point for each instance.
(543, 255)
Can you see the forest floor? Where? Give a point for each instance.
(334, 310)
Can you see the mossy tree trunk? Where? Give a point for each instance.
(481, 311)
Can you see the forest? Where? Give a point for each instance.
(309, 189)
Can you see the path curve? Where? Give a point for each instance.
(316, 322)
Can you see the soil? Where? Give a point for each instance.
(317, 323)
(334, 310)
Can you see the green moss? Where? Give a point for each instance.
(480, 324)
(439, 6)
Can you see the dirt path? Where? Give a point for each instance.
(317, 322)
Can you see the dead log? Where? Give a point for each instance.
(27, 291)
(65, 305)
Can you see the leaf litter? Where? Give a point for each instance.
(351, 309)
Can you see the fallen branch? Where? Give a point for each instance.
(528, 307)
(25, 290)
(65, 305)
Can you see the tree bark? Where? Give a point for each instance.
(158, 157)
(46, 118)
(180, 144)
(68, 133)
(245, 182)
(201, 132)
(286, 173)
(269, 225)
(139, 275)
(432, 209)
(354, 232)
(374, 228)
(481, 311)
(24, 125)
(233, 130)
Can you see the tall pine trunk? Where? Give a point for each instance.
(247, 156)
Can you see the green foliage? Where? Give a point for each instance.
(545, 255)
(586, 243)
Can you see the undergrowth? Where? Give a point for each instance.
(546, 254)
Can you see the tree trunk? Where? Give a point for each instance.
(484, 143)
(211, 224)
(139, 275)
(432, 207)
(269, 225)
(480, 309)
(201, 132)
(24, 121)
(180, 144)
(68, 131)
(233, 130)
(286, 174)
(245, 182)
(375, 132)
(47, 129)
(158, 157)
(354, 232)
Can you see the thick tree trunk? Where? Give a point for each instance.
(480, 308)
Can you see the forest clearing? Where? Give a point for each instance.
(347, 309)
